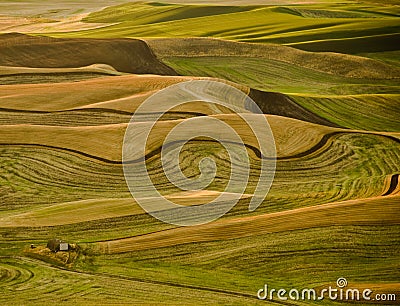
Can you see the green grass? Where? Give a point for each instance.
(148, 13)
(390, 57)
(38, 177)
(297, 259)
(375, 43)
(290, 24)
(348, 166)
(356, 103)
(272, 75)
(24, 281)
(277, 259)
(369, 112)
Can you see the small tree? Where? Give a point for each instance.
(54, 245)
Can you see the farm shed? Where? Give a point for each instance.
(56, 245)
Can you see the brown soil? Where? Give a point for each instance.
(125, 55)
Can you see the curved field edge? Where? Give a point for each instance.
(97, 209)
(376, 112)
(121, 93)
(327, 62)
(276, 76)
(292, 137)
(96, 68)
(21, 50)
(368, 166)
(88, 288)
(281, 24)
(354, 212)
(23, 75)
(125, 93)
(317, 165)
(352, 45)
(326, 249)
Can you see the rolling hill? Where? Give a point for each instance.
(29, 51)
(68, 91)
(340, 27)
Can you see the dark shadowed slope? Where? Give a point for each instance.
(279, 104)
(125, 55)
(374, 43)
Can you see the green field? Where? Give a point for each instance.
(372, 103)
(276, 76)
(338, 26)
(66, 100)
